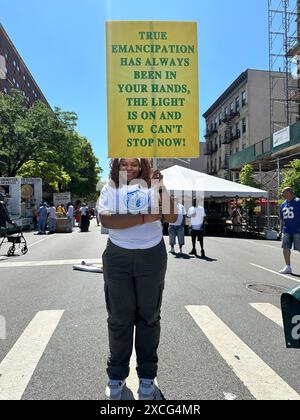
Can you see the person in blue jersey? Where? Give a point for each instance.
(290, 220)
(134, 267)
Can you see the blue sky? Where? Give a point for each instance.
(63, 44)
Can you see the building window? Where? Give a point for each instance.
(14, 63)
(18, 85)
(244, 125)
(237, 104)
(244, 98)
(4, 90)
(237, 125)
(220, 118)
(231, 107)
(14, 81)
(28, 84)
(24, 78)
(18, 68)
(216, 123)
(6, 56)
(220, 141)
(226, 110)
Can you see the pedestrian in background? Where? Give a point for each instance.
(70, 215)
(177, 229)
(52, 219)
(4, 216)
(42, 215)
(290, 221)
(84, 218)
(34, 212)
(197, 216)
(61, 211)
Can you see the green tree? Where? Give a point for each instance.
(36, 141)
(291, 177)
(53, 176)
(247, 176)
(24, 132)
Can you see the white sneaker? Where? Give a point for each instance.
(146, 389)
(286, 270)
(114, 388)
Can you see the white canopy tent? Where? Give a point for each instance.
(186, 180)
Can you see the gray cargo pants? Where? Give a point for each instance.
(133, 285)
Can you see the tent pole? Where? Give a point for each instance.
(268, 210)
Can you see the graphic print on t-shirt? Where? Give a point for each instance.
(290, 215)
(136, 200)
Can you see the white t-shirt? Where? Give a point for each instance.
(52, 213)
(197, 220)
(83, 211)
(132, 200)
(181, 211)
(70, 212)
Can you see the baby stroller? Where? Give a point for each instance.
(15, 237)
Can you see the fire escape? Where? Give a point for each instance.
(229, 137)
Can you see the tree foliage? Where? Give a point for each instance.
(37, 141)
(291, 177)
(247, 176)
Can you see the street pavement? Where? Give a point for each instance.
(219, 339)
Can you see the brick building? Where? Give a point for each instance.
(15, 74)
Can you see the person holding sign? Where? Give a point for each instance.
(134, 267)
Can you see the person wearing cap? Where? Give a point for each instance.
(290, 221)
(84, 218)
(4, 216)
(134, 267)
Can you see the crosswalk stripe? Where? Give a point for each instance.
(132, 381)
(269, 311)
(258, 377)
(273, 272)
(17, 367)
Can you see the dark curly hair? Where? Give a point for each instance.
(145, 173)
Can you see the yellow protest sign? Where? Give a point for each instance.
(152, 89)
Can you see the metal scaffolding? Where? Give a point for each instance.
(283, 67)
(284, 64)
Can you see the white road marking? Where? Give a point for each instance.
(275, 272)
(258, 377)
(269, 311)
(132, 381)
(18, 366)
(229, 397)
(37, 242)
(45, 263)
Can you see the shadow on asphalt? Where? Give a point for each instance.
(206, 258)
(189, 257)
